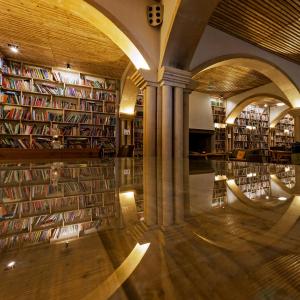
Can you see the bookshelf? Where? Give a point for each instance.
(46, 108)
(55, 202)
(282, 136)
(218, 107)
(138, 125)
(251, 130)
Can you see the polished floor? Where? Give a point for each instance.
(121, 229)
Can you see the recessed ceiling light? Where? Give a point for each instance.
(280, 104)
(13, 48)
(282, 198)
(11, 265)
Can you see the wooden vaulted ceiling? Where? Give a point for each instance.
(271, 24)
(51, 36)
(226, 81)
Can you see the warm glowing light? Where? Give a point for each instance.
(220, 125)
(127, 110)
(267, 197)
(287, 169)
(11, 264)
(266, 105)
(128, 194)
(280, 104)
(282, 198)
(220, 177)
(13, 48)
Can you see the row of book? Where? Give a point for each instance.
(55, 90)
(19, 69)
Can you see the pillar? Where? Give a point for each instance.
(167, 155)
(186, 124)
(149, 138)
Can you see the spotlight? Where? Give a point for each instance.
(11, 265)
(282, 198)
(280, 104)
(266, 105)
(13, 48)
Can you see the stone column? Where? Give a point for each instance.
(167, 155)
(150, 121)
(186, 124)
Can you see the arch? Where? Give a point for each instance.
(276, 75)
(96, 18)
(279, 117)
(248, 100)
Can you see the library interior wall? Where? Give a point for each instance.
(200, 112)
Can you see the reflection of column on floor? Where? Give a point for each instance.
(150, 110)
(297, 180)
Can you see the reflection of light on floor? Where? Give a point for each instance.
(106, 289)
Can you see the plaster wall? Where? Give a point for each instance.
(200, 116)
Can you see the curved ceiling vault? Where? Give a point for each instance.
(59, 32)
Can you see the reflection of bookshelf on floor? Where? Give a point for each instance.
(219, 199)
(40, 102)
(55, 203)
(254, 181)
(138, 125)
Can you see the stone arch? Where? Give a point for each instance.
(279, 117)
(106, 25)
(271, 71)
(129, 92)
(248, 100)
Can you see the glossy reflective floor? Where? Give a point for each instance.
(112, 229)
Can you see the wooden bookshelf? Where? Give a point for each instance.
(218, 107)
(282, 136)
(55, 202)
(251, 130)
(38, 103)
(138, 125)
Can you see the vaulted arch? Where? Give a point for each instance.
(105, 24)
(248, 100)
(277, 76)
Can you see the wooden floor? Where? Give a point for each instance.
(244, 248)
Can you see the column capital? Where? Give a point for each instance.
(295, 112)
(143, 78)
(174, 77)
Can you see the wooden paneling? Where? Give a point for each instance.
(272, 24)
(227, 81)
(51, 36)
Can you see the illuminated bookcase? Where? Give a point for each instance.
(218, 107)
(38, 104)
(282, 135)
(43, 203)
(138, 125)
(251, 129)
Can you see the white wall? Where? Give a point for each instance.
(200, 111)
